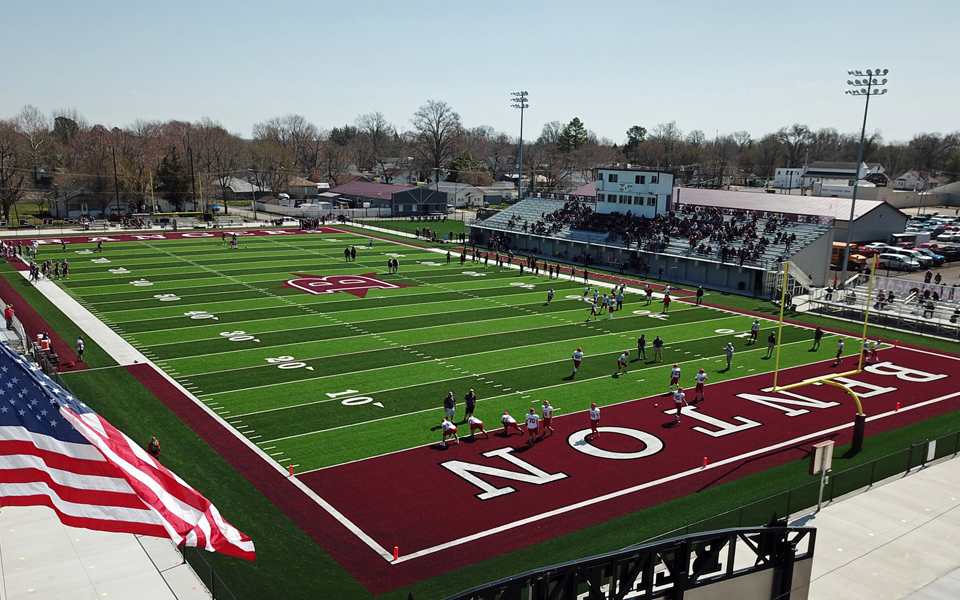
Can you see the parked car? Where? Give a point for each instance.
(938, 259)
(897, 262)
(948, 237)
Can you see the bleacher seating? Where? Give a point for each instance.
(597, 230)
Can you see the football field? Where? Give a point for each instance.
(308, 372)
(337, 369)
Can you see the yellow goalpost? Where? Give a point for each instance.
(861, 418)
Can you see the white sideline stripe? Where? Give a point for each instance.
(643, 486)
(118, 348)
(122, 352)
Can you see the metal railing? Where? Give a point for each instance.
(840, 483)
(667, 569)
(217, 587)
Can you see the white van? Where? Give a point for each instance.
(896, 262)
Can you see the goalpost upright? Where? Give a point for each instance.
(860, 418)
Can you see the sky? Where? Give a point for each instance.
(719, 67)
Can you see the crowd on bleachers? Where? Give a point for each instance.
(132, 222)
(571, 213)
(744, 236)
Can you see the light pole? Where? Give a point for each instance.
(519, 100)
(866, 86)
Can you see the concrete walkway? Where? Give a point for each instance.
(42, 558)
(898, 540)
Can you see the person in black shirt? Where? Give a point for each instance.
(817, 336)
(470, 400)
(642, 347)
(658, 349)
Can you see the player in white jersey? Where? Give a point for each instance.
(874, 346)
(678, 402)
(622, 362)
(550, 296)
(754, 331)
(509, 423)
(701, 378)
(547, 418)
(839, 351)
(533, 419)
(675, 376)
(605, 303)
(476, 425)
(577, 357)
(586, 292)
(595, 420)
(594, 312)
(596, 294)
(449, 430)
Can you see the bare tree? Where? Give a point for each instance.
(382, 141)
(14, 165)
(36, 126)
(794, 142)
(435, 128)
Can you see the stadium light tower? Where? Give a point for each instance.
(867, 84)
(519, 100)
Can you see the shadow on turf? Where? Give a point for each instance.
(725, 475)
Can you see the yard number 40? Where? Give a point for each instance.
(354, 401)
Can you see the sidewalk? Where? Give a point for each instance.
(42, 558)
(898, 540)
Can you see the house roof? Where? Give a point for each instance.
(370, 190)
(239, 186)
(587, 189)
(836, 208)
(452, 188)
(295, 181)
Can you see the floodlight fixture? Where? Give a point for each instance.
(866, 88)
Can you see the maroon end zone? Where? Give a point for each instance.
(448, 508)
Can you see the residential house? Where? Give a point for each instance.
(914, 181)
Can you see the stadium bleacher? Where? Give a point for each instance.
(596, 229)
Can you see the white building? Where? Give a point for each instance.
(825, 172)
(643, 192)
(788, 178)
(912, 180)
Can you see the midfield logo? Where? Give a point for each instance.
(358, 285)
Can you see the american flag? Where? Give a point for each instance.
(56, 451)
